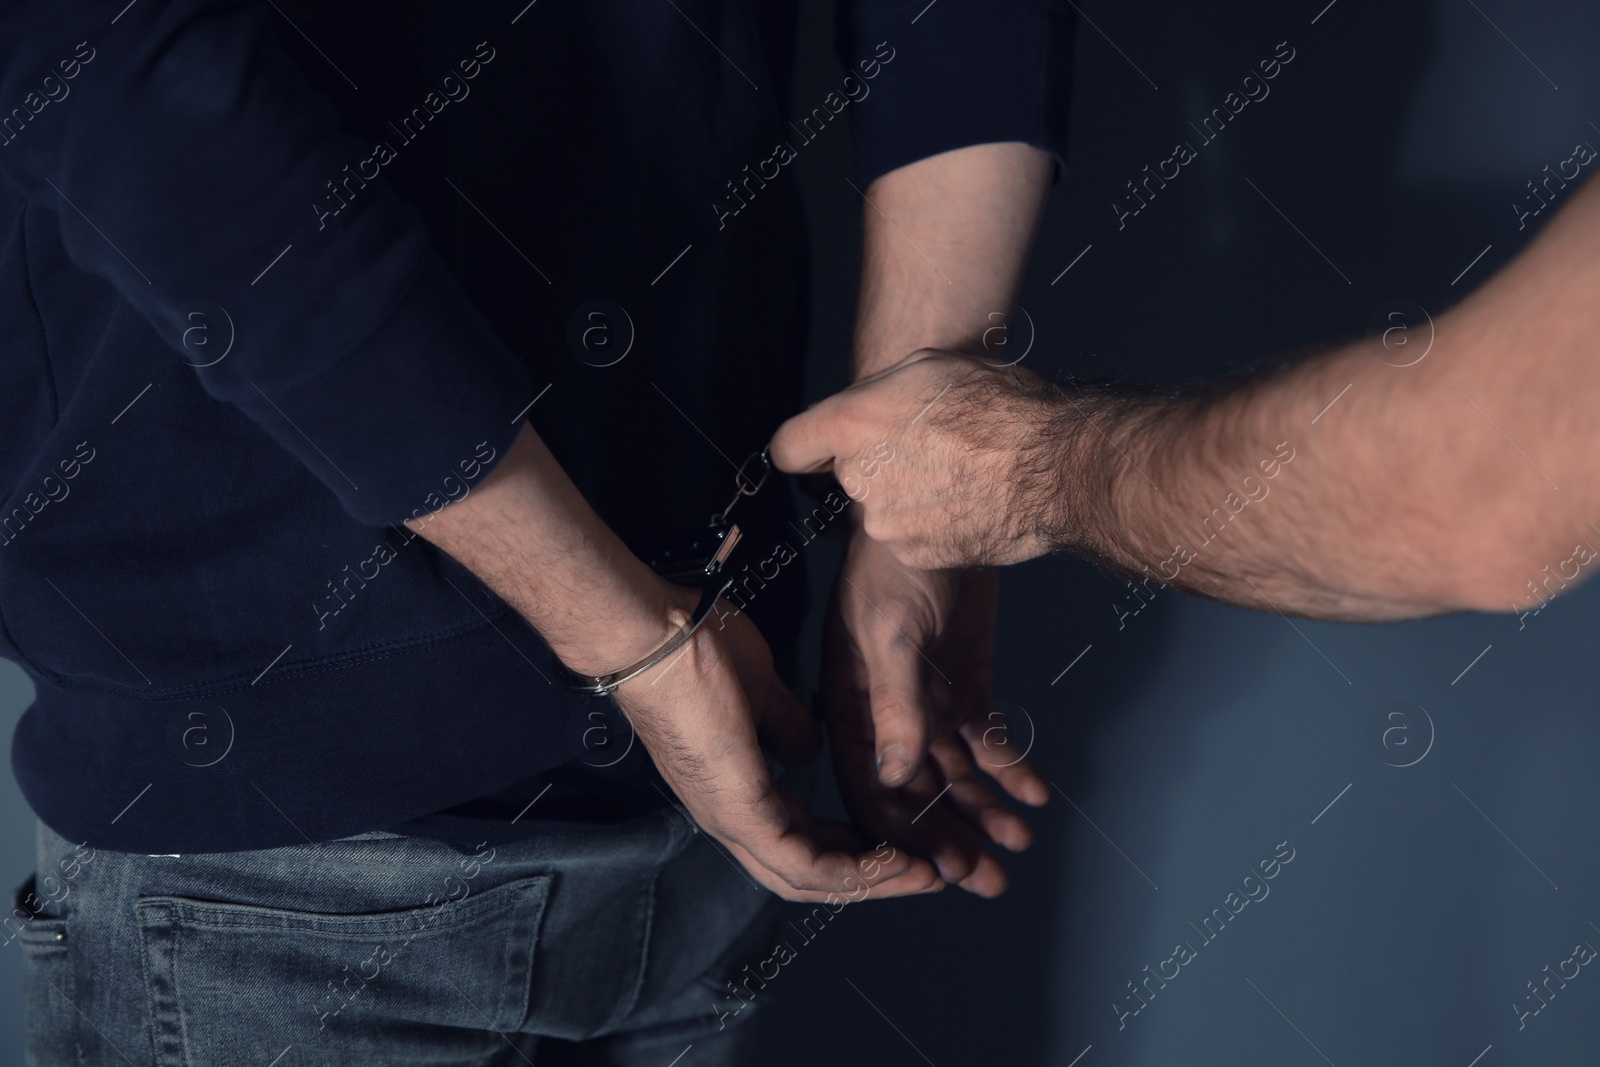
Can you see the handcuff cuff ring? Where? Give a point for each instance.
(711, 587)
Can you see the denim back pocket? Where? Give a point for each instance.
(238, 983)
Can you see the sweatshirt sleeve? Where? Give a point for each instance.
(954, 73)
(185, 158)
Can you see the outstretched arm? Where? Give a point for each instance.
(905, 679)
(1346, 487)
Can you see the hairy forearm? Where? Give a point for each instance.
(1357, 485)
(530, 536)
(1348, 487)
(945, 242)
(1236, 496)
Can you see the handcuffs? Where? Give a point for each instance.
(698, 559)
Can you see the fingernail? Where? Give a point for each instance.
(892, 764)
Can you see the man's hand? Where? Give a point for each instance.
(905, 690)
(964, 438)
(905, 686)
(699, 714)
(1264, 493)
(531, 537)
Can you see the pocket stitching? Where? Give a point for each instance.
(220, 915)
(163, 921)
(645, 925)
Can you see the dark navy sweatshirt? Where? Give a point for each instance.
(275, 278)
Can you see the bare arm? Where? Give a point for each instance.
(906, 663)
(1463, 481)
(1449, 484)
(945, 242)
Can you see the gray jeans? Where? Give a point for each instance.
(607, 945)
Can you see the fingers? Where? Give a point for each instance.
(977, 803)
(812, 440)
(927, 824)
(787, 851)
(915, 817)
(946, 826)
(699, 727)
(881, 695)
(899, 714)
(1015, 774)
(916, 879)
(811, 860)
(984, 876)
(989, 738)
(809, 441)
(888, 616)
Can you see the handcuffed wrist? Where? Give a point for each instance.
(682, 631)
(626, 628)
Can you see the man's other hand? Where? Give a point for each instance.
(699, 714)
(936, 450)
(527, 532)
(905, 694)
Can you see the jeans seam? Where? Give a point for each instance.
(679, 834)
(158, 941)
(645, 918)
(516, 1001)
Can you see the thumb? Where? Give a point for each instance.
(805, 443)
(899, 713)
